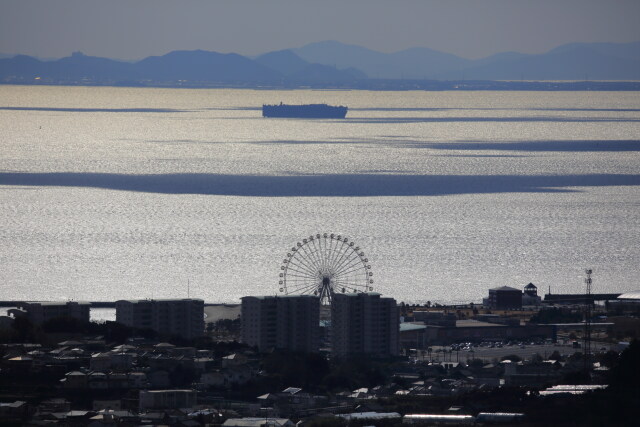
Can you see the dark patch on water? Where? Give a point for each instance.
(400, 109)
(547, 119)
(97, 110)
(339, 185)
(533, 146)
(527, 146)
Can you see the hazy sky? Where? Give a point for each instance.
(132, 29)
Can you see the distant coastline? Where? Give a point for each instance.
(372, 85)
(334, 65)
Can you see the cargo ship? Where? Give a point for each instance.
(308, 111)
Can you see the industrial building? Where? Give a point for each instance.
(290, 322)
(181, 317)
(364, 323)
(504, 297)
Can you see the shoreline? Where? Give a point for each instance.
(102, 304)
(212, 311)
(375, 85)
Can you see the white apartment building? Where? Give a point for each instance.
(182, 317)
(289, 322)
(364, 323)
(40, 312)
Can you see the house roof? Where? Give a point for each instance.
(164, 345)
(267, 396)
(256, 422)
(370, 415)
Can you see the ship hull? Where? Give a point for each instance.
(311, 111)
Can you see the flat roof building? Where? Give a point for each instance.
(181, 317)
(289, 322)
(364, 323)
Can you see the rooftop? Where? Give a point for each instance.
(135, 301)
(477, 324)
(630, 295)
(356, 294)
(56, 303)
(281, 296)
(406, 326)
(505, 288)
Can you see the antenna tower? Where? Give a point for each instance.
(587, 322)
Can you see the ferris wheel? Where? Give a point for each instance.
(324, 264)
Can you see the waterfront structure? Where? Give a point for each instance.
(364, 323)
(40, 312)
(530, 295)
(503, 298)
(629, 302)
(577, 299)
(290, 322)
(182, 317)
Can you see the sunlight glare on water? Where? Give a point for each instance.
(109, 193)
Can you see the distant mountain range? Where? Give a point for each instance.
(577, 61)
(330, 63)
(189, 67)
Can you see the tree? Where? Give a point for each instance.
(609, 359)
(475, 363)
(296, 369)
(536, 358)
(555, 355)
(625, 376)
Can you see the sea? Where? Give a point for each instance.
(111, 193)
